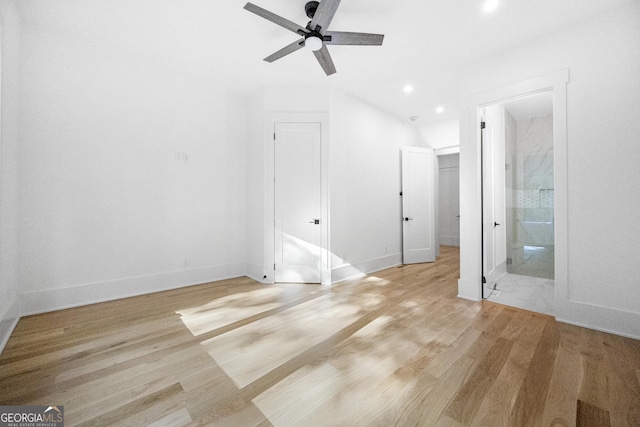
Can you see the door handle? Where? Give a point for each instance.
(406, 218)
(314, 221)
(495, 224)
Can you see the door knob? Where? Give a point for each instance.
(314, 221)
(406, 218)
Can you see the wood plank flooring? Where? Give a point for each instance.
(393, 348)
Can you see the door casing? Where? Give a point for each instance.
(470, 282)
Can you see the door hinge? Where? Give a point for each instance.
(482, 125)
(274, 266)
(484, 279)
(274, 136)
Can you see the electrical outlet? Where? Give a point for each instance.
(182, 157)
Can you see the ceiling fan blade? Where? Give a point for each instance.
(344, 38)
(298, 44)
(324, 15)
(276, 19)
(325, 60)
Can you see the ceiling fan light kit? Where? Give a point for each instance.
(315, 34)
(313, 43)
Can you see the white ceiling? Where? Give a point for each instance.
(529, 107)
(427, 43)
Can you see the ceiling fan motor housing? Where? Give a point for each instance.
(310, 8)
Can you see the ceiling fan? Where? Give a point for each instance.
(315, 35)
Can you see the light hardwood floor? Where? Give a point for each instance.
(393, 348)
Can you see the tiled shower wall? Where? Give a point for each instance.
(529, 195)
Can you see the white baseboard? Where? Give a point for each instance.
(91, 293)
(604, 319)
(352, 271)
(450, 240)
(8, 321)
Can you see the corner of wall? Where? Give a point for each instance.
(8, 321)
(10, 39)
(353, 271)
(257, 273)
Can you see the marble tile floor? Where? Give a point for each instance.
(529, 293)
(537, 261)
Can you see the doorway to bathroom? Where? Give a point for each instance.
(518, 202)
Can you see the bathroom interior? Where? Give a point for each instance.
(528, 282)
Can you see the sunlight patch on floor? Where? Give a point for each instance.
(226, 310)
(253, 350)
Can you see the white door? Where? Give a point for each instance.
(488, 226)
(298, 253)
(494, 206)
(418, 205)
(449, 200)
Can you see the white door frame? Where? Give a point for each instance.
(269, 203)
(470, 282)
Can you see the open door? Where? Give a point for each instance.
(418, 205)
(493, 197)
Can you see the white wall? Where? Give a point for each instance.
(9, 24)
(603, 106)
(366, 216)
(132, 174)
(441, 134)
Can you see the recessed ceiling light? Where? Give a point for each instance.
(440, 110)
(408, 89)
(490, 5)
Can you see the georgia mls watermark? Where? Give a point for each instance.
(31, 416)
